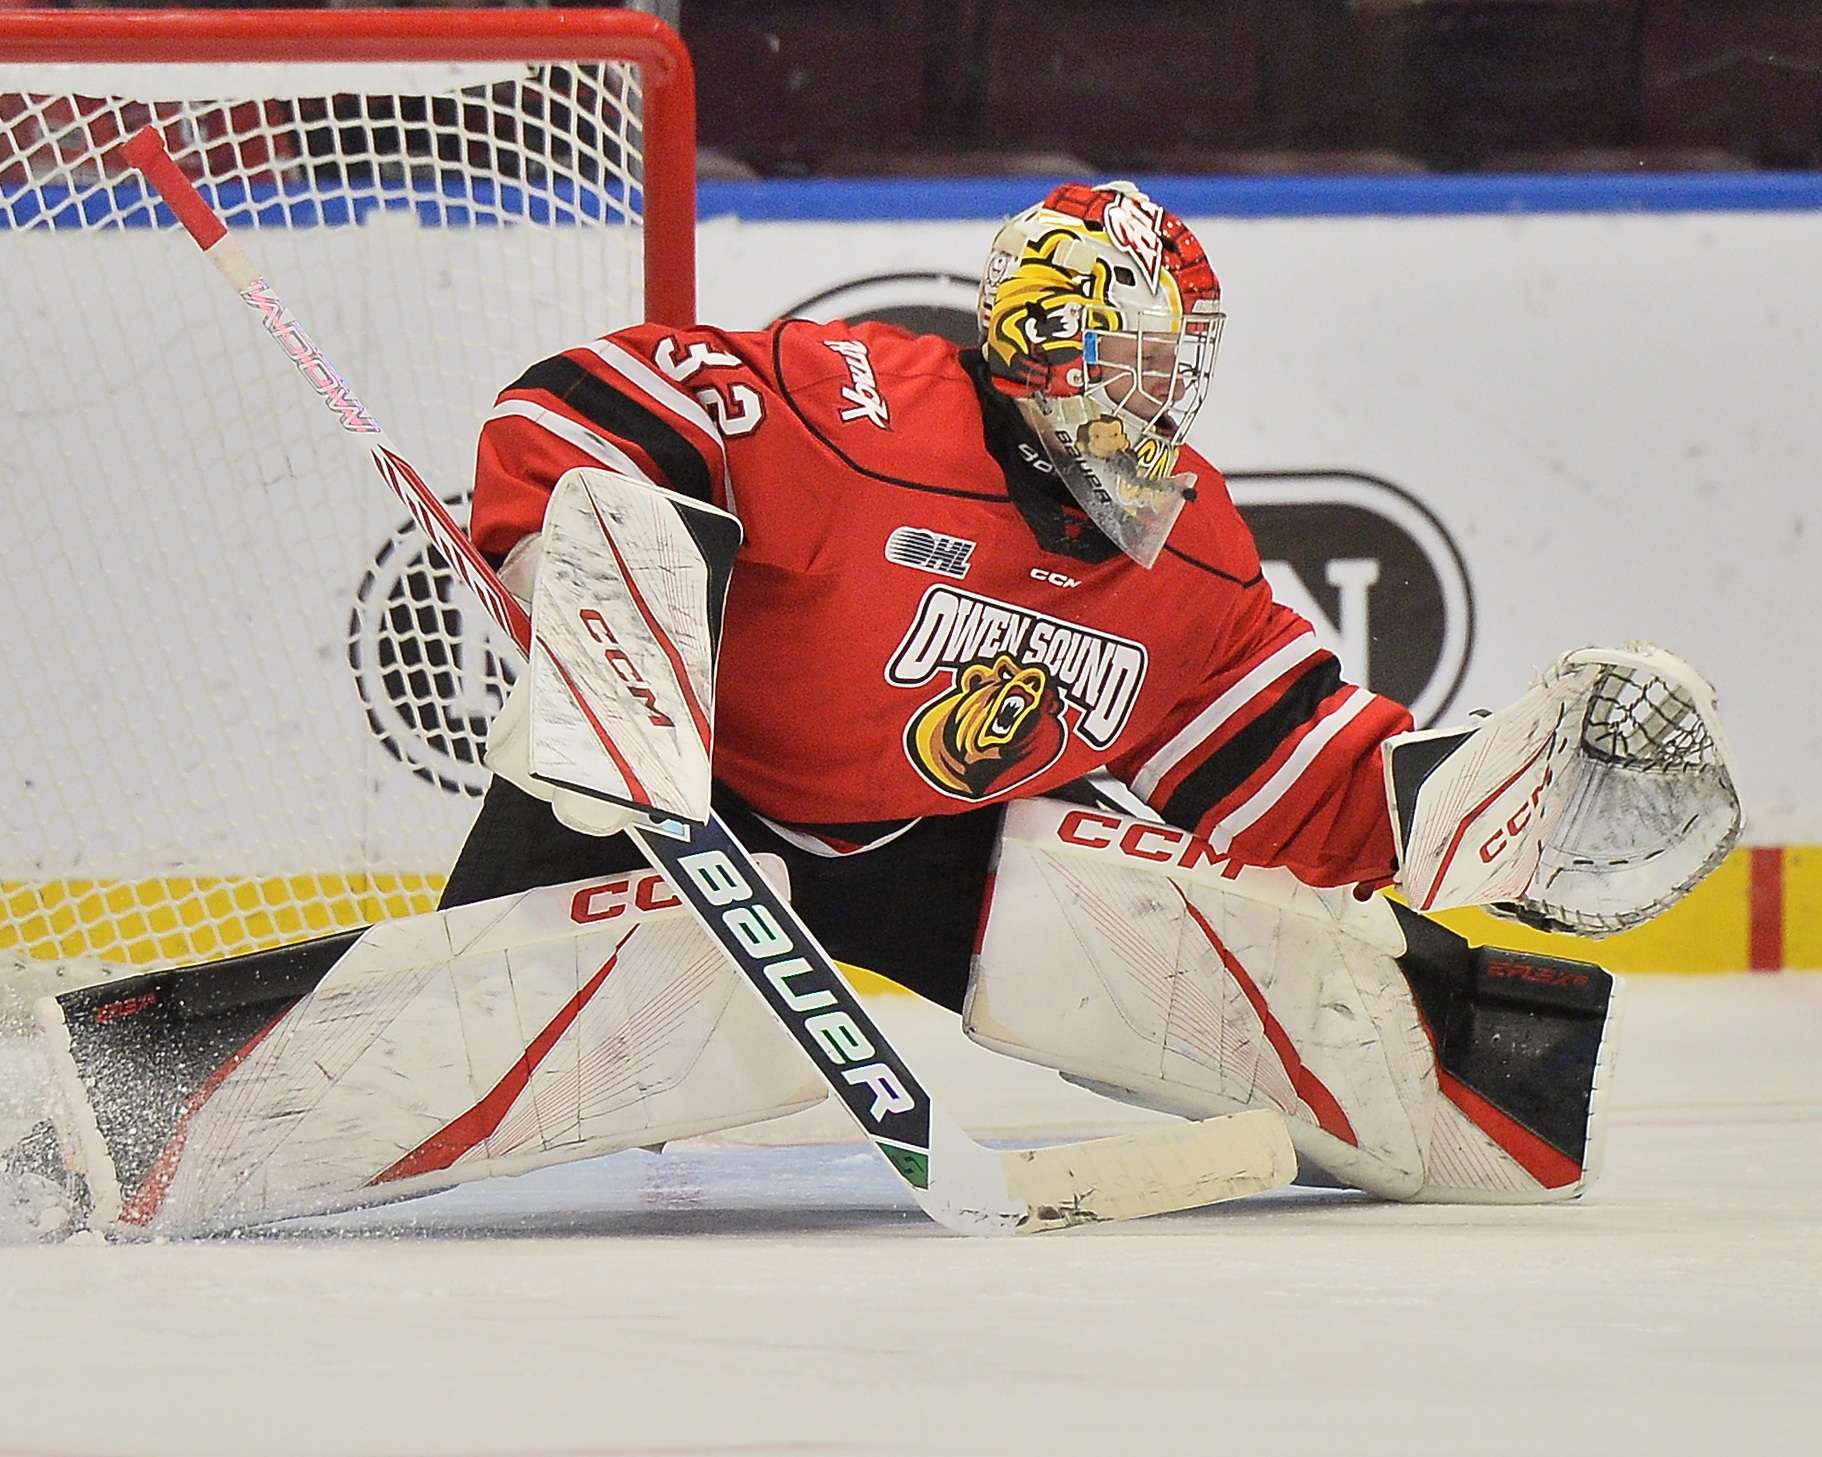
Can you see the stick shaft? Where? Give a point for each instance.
(146, 152)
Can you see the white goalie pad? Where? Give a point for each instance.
(490, 1039)
(1595, 802)
(1134, 959)
(626, 618)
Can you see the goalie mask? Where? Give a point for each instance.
(1101, 317)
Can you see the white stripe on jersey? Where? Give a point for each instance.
(1205, 723)
(572, 433)
(1245, 815)
(637, 372)
(575, 433)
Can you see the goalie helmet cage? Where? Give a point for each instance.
(244, 706)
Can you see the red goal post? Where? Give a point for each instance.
(290, 744)
(232, 37)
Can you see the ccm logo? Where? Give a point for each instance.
(1549, 976)
(596, 626)
(612, 897)
(1055, 579)
(833, 1033)
(1139, 841)
(1497, 844)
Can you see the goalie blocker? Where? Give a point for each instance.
(615, 711)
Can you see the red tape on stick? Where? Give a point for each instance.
(145, 153)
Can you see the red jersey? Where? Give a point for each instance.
(921, 622)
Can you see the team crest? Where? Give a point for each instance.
(999, 717)
(1015, 685)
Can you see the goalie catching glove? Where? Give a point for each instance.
(1595, 802)
(613, 717)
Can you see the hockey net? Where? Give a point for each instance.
(244, 707)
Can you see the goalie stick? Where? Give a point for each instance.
(957, 1181)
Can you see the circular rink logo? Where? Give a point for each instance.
(1374, 571)
(428, 662)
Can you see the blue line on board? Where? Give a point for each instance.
(895, 199)
(457, 204)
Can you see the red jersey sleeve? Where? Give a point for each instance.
(639, 401)
(1272, 756)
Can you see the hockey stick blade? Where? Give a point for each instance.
(1134, 1175)
(957, 1181)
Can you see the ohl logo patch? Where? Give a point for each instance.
(1018, 684)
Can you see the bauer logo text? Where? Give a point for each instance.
(799, 990)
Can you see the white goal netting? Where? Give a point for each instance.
(241, 705)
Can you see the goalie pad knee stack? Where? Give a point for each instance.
(1133, 958)
(492, 1038)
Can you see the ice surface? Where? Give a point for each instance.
(30, 1205)
(780, 1296)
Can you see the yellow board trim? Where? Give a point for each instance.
(171, 921)
(1706, 931)
(181, 921)
(1803, 906)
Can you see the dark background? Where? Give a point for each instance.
(1253, 87)
(1259, 86)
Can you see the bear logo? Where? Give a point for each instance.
(1000, 717)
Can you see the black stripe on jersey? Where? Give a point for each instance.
(619, 416)
(1246, 752)
(1183, 556)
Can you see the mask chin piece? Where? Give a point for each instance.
(1131, 509)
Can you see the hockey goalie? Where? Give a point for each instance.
(891, 607)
